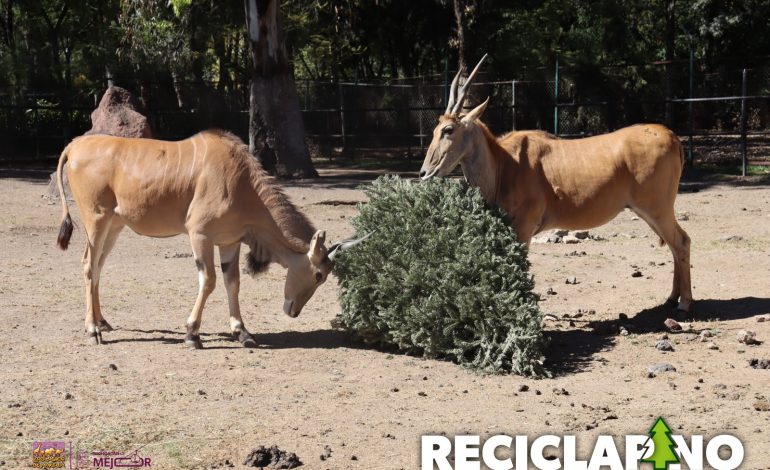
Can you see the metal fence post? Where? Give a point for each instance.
(446, 79)
(689, 114)
(419, 117)
(513, 105)
(342, 119)
(37, 132)
(744, 118)
(556, 98)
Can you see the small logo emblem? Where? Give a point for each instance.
(48, 454)
(663, 446)
(111, 459)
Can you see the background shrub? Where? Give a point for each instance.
(442, 276)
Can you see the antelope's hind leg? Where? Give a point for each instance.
(109, 242)
(203, 250)
(228, 259)
(679, 243)
(97, 229)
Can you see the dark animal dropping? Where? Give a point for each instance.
(273, 457)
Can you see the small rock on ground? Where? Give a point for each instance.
(664, 345)
(762, 405)
(660, 368)
(747, 337)
(672, 324)
(760, 363)
(223, 464)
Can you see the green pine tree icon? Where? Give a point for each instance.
(663, 454)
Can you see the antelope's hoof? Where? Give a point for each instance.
(95, 338)
(104, 326)
(248, 341)
(194, 342)
(680, 312)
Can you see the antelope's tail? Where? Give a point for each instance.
(65, 231)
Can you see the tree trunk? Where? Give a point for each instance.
(177, 84)
(459, 9)
(276, 130)
(670, 37)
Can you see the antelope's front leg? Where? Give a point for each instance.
(526, 222)
(228, 259)
(203, 250)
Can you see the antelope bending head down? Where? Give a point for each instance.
(543, 182)
(207, 186)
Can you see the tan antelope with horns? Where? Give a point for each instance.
(544, 182)
(208, 187)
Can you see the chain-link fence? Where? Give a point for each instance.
(717, 113)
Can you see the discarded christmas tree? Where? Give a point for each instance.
(442, 276)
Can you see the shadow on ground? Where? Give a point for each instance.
(28, 174)
(571, 351)
(171, 337)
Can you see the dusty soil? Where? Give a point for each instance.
(308, 386)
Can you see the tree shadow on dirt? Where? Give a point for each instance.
(319, 339)
(695, 180)
(572, 351)
(30, 175)
(731, 309)
(316, 339)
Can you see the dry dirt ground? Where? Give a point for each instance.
(308, 386)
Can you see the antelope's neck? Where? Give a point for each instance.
(266, 238)
(480, 166)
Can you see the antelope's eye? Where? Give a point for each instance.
(447, 130)
(318, 276)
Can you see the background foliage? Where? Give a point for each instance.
(68, 45)
(622, 62)
(443, 276)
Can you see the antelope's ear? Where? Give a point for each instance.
(476, 112)
(317, 249)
